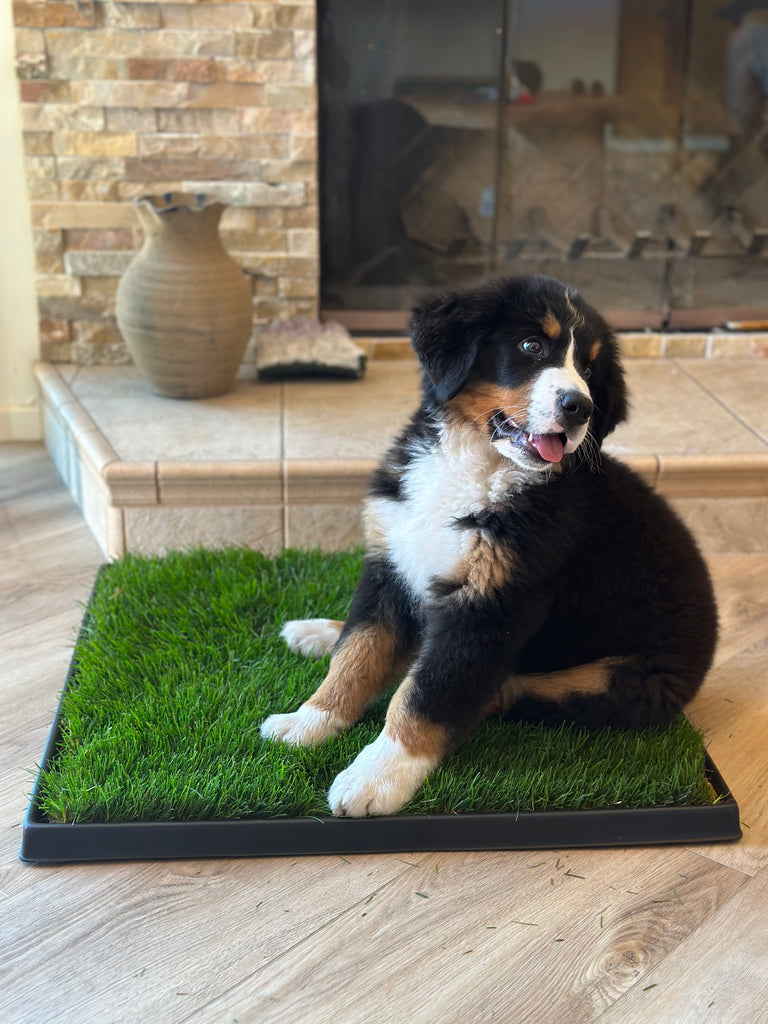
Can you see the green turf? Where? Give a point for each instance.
(180, 661)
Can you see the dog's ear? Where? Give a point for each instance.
(446, 335)
(609, 391)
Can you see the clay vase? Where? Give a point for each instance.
(183, 305)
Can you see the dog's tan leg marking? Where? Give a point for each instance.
(581, 681)
(360, 669)
(386, 774)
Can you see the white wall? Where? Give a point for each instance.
(19, 410)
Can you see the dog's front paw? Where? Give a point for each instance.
(382, 778)
(303, 728)
(313, 637)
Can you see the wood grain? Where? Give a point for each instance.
(570, 932)
(717, 976)
(667, 934)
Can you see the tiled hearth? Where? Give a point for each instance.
(274, 464)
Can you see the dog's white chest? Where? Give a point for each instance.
(460, 477)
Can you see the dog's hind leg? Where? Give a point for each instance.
(591, 680)
(624, 693)
(312, 637)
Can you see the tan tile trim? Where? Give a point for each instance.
(220, 483)
(328, 482)
(131, 483)
(95, 448)
(340, 482)
(713, 476)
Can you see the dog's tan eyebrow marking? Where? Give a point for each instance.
(594, 351)
(551, 325)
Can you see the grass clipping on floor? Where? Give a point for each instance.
(180, 660)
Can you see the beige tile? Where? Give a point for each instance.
(115, 533)
(75, 417)
(677, 346)
(639, 345)
(142, 426)
(58, 441)
(94, 449)
(738, 346)
(327, 420)
(392, 348)
(211, 483)
(67, 371)
(92, 497)
(723, 524)
(158, 530)
(671, 414)
(329, 527)
(741, 385)
(337, 482)
(714, 476)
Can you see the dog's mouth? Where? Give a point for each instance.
(547, 447)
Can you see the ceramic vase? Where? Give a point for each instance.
(183, 305)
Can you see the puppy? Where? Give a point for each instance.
(512, 566)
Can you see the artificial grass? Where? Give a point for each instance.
(179, 661)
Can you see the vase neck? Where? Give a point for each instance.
(180, 221)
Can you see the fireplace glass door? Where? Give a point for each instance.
(620, 145)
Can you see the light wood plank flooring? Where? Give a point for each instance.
(670, 935)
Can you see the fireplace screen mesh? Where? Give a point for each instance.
(620, 145)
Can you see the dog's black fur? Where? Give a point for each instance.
(577, 562)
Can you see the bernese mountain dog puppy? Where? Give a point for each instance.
(512, 566)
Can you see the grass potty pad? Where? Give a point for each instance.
(155, 751)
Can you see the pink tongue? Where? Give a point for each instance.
(549, 446)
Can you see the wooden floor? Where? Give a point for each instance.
(671, 935)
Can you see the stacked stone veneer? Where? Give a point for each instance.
(121, 100)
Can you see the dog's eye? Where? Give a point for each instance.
(533, 347)
(587, 372)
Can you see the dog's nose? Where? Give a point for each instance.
(575, 408)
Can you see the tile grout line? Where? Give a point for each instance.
(711, 394)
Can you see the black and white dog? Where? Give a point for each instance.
(512, 566)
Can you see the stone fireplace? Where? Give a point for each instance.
(121, 100)
(599, 142)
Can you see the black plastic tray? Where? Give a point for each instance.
(44, 842)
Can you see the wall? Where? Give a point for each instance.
(121, 100)
(19, 415)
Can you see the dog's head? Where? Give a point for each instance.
(528, 362)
